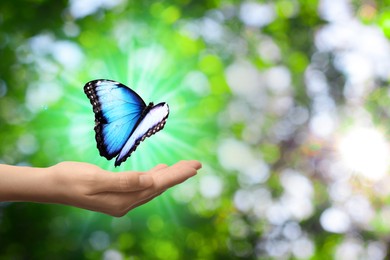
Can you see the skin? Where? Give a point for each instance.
(89, 187)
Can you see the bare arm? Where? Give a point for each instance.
(87, 186)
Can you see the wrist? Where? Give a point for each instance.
(53, 191)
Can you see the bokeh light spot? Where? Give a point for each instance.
(211, 186)
(170, 14)
(384, 22)
(257, 15)
(155, 223)
(366, 151)
(210, 64)
(99, 240)
(335, 220)
(112, 254)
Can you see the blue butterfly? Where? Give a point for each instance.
(122, 119)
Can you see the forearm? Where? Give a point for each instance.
(22, 183)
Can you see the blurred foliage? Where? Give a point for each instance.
(260, 91)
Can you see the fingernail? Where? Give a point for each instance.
(200, 165)
(145, 180)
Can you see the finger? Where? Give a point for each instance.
(170, 176)
(175, 174)
(123, 181)
(158, 167)
(131, 181)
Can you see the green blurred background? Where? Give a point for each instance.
(286, 103)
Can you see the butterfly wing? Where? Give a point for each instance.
(117, 110)
(153, 121)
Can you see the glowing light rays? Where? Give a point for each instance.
(165, 88)
(153, 71)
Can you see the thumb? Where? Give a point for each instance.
(124, 181)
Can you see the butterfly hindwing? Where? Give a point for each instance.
(117, 110)
(153, 121)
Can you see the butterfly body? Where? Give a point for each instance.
(122, 119)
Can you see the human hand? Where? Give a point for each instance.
(87, 186)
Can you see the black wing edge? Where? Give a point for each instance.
(89, 90)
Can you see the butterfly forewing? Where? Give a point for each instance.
(117, 110)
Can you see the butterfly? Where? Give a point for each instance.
(122, 119)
